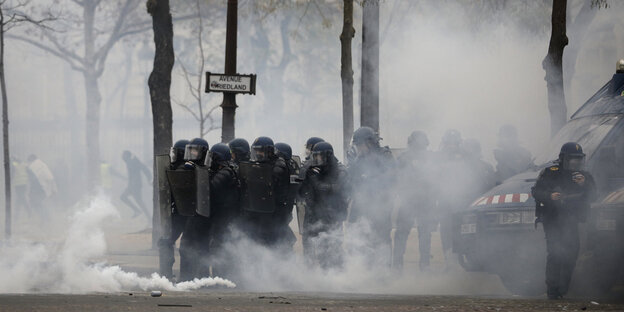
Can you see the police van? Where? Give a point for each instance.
(498, 234)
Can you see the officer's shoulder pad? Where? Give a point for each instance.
(553, 168)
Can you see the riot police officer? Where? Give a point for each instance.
(371, 175)
(239, 149)
(323, 191)
(178, 221)
(563, 193)
(482, 173)
(452, 187)
(265, 184)
(417, 201)
(310, 144)
(510, 156)
(224, 197)
(195, 239)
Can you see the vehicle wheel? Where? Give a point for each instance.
(523, 283)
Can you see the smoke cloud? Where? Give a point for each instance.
(69, 267)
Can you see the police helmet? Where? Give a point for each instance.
(239, 148)
(176, 153)
(218, 154)
(417, 140)
(262, 149)
(366, 135)
(283, 150)
(451, 139)
(196, 150)
(322, 154)
(310, 144)
(571, 156)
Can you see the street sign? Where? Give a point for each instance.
(231, 83)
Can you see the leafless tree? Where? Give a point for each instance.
(194, 80)
(84, 41)
(11, 15)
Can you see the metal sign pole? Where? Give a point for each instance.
(229, 99)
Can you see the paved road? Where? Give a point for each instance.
(234, 301)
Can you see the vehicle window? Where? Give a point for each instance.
(587, 131)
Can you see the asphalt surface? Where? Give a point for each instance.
(235, 301)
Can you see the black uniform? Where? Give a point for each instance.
(325, 197)
(224, 208)
(370, 175)
(560, 219)
(417, 204)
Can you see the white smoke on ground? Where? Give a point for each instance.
(69, 267)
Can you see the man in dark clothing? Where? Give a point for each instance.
(370, 174)
(195, 241)
(563, 193)
(510, 156)
(323, 191)
(178, 221)
(224, 197)
(453, 187)
(417, 201)
(300, 202)
(135, 184)
(482, 173)
(267, 225)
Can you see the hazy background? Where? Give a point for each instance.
(472, 66)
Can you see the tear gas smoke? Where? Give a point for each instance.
(69, 267)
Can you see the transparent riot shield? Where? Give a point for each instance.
(203, 191)
(164, 194)
(257, 185)
(184, 190)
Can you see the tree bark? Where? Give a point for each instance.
(159, 83)
(346, 74)
(369, 93)
(5, 136)
(552, 64)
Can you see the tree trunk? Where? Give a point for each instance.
(92, 131)
(5, 136)
(160, 84)
(94, 98)
(346, 74)
(552, 64)
(369, 93)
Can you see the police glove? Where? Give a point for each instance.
(189, 165)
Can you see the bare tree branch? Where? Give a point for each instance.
(102, 54)
(51, 50)
(188, 109)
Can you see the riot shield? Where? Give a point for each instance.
(184, 190)
(203, 191)
(257, 184)
(164, 194)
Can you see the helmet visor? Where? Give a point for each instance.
(208, 161)
(260, 153)
(193, 152)
(319, 159)
(574, 163)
